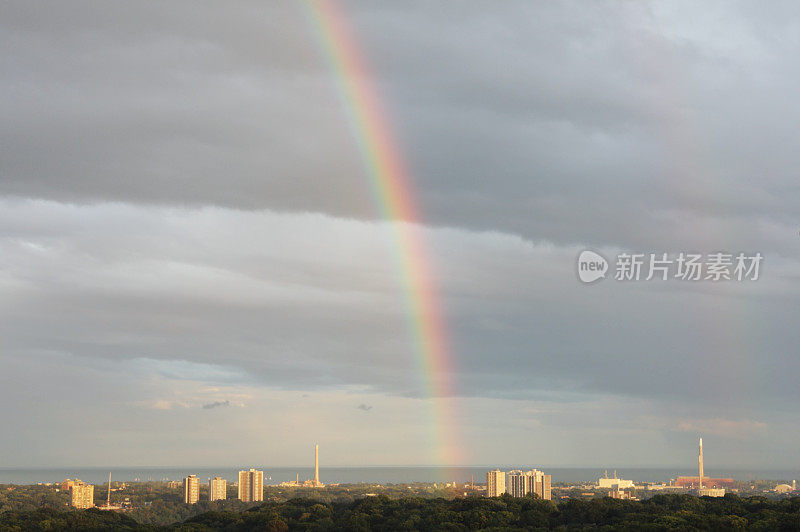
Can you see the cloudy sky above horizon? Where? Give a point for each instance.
(189, 246)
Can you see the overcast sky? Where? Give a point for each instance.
(193, 270)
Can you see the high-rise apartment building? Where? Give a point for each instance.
(191, 489)
(516, 483)
(520, 484)
(81, 495)
(533, 482)
(251, 486)
(495, 483)
(217, 489)
(547, 494)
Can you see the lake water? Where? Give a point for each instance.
(381, 475)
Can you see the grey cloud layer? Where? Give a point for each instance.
(180, 191)
(297, 300)
(172, 104)
(546, 120)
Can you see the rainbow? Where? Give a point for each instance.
(394, 194)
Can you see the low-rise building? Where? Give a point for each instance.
(708, 482)
(614, 482)
(620, 494)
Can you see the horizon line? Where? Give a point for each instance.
(367, 466)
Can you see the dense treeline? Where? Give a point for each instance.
(25, 498)
(155, 503)
(49, 519)
(662, 512)
(476, 513)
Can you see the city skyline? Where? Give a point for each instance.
(517, 483)
(496, 479)
(359, 223)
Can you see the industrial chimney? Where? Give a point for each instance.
(700, 460)
(316, 465)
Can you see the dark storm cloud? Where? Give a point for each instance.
(216, 404)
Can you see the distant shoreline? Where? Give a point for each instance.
(371, 474)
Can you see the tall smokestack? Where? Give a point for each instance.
(316, 464)
(700, 460)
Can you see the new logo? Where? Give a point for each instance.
(591, 266)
